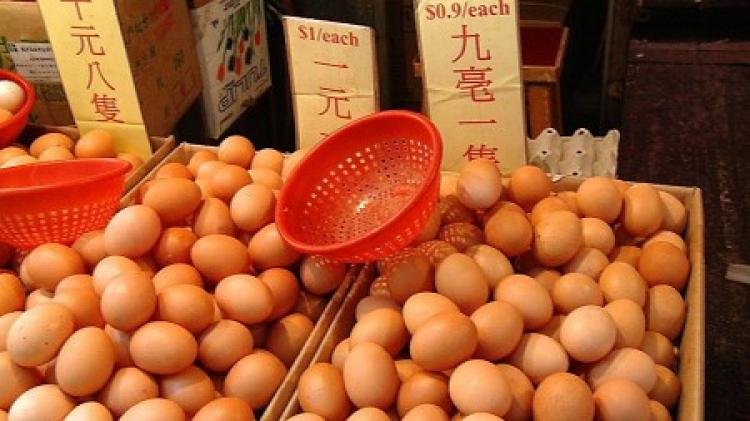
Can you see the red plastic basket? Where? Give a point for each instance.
(364, 192)
(11, 129)
(58, 201)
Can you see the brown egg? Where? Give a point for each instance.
(424, 388)
(629, 321)
(174, 170)
(244, 298)
(625, 363)
(50, 263)
(85, 362)
(84, 304)
(426, 412)
(267, 177)
(384, 327)
(252, 207)
(509, 231)
(528, 296)
(129, 301)
(675, 214)
(19, 160)
(176, 274)
(318, 275)
(217, 256)
(522, 393)
(191, 389)
(659, 348)
(16, 380)
(225, 409)
(557, 238)
(284, 288)
(37, 335)
(371, 303)
(49, 140)
(74, 282)
(495, 266)
(599, 197)
(121, 345)
(321, 391)
(460, 278)
(545, 277)
(667, 388)
(643, 211)
(430, 230)
(12, 295)
(371, 365)
(563, 396)
(501, 205)
(529, 185)
(189, 306)
(668, 237)
(662, 263)
(620, 280)
(268, 249)
(6, 321)
(479, 184)
(461, 235)
(255, 378)
(452, 211)
(588, 333)
(621, 400)
(546, 206)
(553, 327)
(659, 412)
(341, 351)
(11, 152)
(421, 307)
(574, 290)
(95, 143)
(310, 305)
(268, 158)
(589, 261)
(174, 199)
(134, 160)
(90, 247)
(163, 348)
(89, 411)
(227, 180)
(174, 246)
(127, 387)
(444, 341)
(132, 232)
(571, 200)
(406, 369)
(499, 329)
(44, 402)
(627, 254)
(539, 356)
(237, 150)
(367, 414)
(156, 409)
(200, 157)
(598, 234)
(37, 297)
(287, 337)
(224, 343)
(480, 386)
(56, 153)
(111, 268)
(213, 217)
(291, 161)
(665, 311)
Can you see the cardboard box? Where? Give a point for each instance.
(25, 49)
(232, 47)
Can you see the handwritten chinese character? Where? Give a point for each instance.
(465, 36)
(78, 6)
(96, 65)
(331, 99)
(483, 151)
(106, 106)
(327, 64)
(87, 39)
(476, 83)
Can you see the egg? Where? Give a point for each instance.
(499, 329)
(659, 348)
(132, 231)
(267, 177)
(270, 159)
(369, 414)
(370, 376)
(479, 184)
(255, 378)
(174, 199)
(37, 335)
(665, 311)
(643, 210)
(371, 303)
(11, 152)
(529, 185)
(6, 321)
(621, 400)
(571, 201)
(148, 265)
(384, 327)
(443, 341)
(56, 153)
(530, 298)
(501, 205)
(495, 266)
(431, 228)
(174, 246)
(553, 327)
(156, 409)
(95, 143)
(409, 275)
(461, 235)
(630, 322)
(625, 363)
(622, 281)
(480, 386)
(675, 214)
(341, 351)
(237, 150)
(189, 306)
(19, 160)
(424, 388)
(557, 238)
(452, 211)
(588, 261)
(85, 362)
(545, 277)
(668, 237)
(134, 160)
(546, 206)
(659, 412)
(213, 217)
(539, 356)
(422, 306)
(163, 348)
(174, 170)
(191, 389)
(509, 231)
(224, 343)
(460, 278)
(89, 411)
(44, 402)
(176, 274)
(16, 380)
(121, 345)
(268, 249)
(252, 207)
(225, 409)
(12, 295)
(310, 305)
(49, 263)
(244, 298)
(599, 197)
(287, 337)
(127, 387)
(662, 263)
(627, 254)
(291, 162)
(90, 247)
(218, 256)
(667, 388)
(598, 234)
(575, 290)
(48, 140)
(284, 288)
(128, 301)
(522, 393)
(110, 268)
(84, 304)
(426, 412)
(406, 369)
(318, 274)
(227, 180)
(12, 96)
(37, 297)
(478, 416)
(588, 333)
(321, 391)
(563, 396)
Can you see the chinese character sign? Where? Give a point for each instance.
(333, 75)
(472, 78)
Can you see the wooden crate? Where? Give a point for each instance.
(161, 146)
(182, 154)
(692, 342)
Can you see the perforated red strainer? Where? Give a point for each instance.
(365, 191)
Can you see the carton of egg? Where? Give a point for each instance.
(581, 154)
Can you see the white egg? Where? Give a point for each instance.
(12, 96)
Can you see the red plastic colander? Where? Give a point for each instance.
(58, 201)
(364, 192)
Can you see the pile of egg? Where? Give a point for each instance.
(188, 303)
(518, 303)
